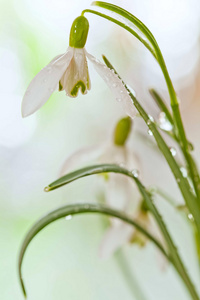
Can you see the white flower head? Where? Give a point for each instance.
(69, 72)
(120, 192)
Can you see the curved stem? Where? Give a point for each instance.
(174, 100)
(173, 254)
(133, 32)
(75, 209)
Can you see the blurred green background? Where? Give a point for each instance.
(62, 262)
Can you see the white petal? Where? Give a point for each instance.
(76, 77)
(115, 237)
(118, 192)
(115, 84)
(121, 192)
(81, 156)
(44, 83)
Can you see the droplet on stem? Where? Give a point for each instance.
(150, 132)
(173, 151)
(69, 217)
(135, 173)
(164, 122)
(184, 172)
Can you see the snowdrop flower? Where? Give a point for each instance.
(121, 192)
(69, 72)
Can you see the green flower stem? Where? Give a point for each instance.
(182, 182)
(161, 104)
(75, 209)
(192, 171)
(180, 128)
(174, 101)
(173, 254)
(123, 26)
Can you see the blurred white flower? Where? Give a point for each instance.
(69, 72)
(121, 192)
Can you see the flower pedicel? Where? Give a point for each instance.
(69, 72)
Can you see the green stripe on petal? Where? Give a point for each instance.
(60, 88)
(80, 84)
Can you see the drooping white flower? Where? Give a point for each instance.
(120, 191)
(69, 72)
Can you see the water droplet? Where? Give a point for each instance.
(44, 81)
(122, 165)
(151, 119)
(184, 172)
(121, 92)
(132, 91)
(119, 99)
(178, 180)
(135, 173)
(47, 189)
(164, 122)
(190, 217)
(148, 122)
(173, 151)
(150, 132)
(69, 217)
(114, 85)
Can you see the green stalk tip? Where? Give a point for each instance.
(47, 189)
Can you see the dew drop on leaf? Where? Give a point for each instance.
(135, 173)
(184, 172)
(151, 119)
(69, 217)
(164, 122)
(150, 132)
(173, 151)
(190, 217)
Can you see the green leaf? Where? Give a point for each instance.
(182, 182)
(173, 254)
(153, 47)
(75, 209)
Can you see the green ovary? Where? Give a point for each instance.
(122, 131)
(79, 32)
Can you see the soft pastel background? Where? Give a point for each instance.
(62, 262)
